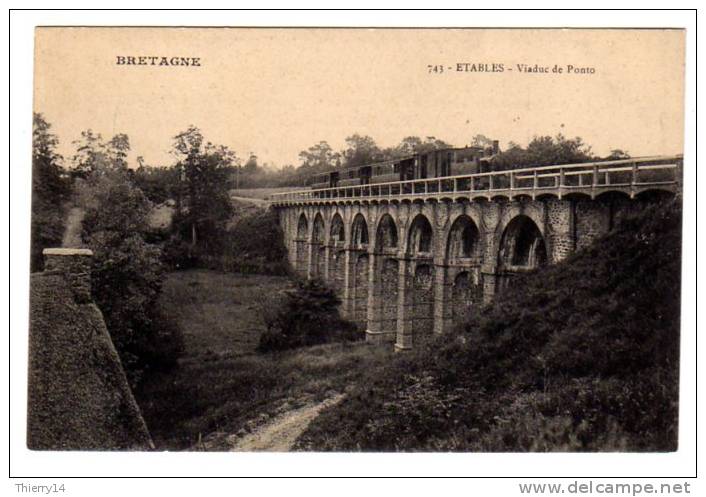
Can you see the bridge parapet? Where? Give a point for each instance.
(629, 176)
(416, 257)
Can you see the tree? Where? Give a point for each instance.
(203, 201)
(408, 146)
(411, 145)
(50, 190)
(158, 183)
(127, 273)
(247, 175)
(544, 151)
(118, 148)
(93, 154)
(361, 150)
(618, 154)
(481, 141)
(318, 158)
(251, 165)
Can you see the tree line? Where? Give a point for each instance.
(363, 149)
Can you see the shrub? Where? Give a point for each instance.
(163, 345)
(307, 315)
(127, 275)
(178, 254)
(256, 245)
(253, 245)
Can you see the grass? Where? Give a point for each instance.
(220, 313)
(220, 386)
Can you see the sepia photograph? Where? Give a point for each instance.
(374, 240)
(242, 240)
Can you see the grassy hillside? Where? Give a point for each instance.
(220, 313)
(221, 387)
(578, 356)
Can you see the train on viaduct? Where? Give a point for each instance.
(416, 254)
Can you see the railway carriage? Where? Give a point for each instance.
(431, 164)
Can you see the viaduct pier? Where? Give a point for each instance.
(418, 256)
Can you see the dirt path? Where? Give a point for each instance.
(280, 434)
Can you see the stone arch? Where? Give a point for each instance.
(617, 205)
(336, 255)
(423, 300)
(318, 250)
(612, 195)
(389, 285)
(359, 231)
(522, 245)
(421, 236)
(301, 244)
(336, 268)
(465, 294)
(463, 241)
(337, 233)
(318, 232)
(302, 227)
(360, 301)
(386, 234)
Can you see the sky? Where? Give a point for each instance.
(276, 92)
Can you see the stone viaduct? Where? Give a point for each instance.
(416, 257)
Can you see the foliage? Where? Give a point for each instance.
(179, 254)
(414, 145)
(543, 151)
(308, 315)
(256, 245)
(618, 154)
(95, 156)
(360, 150)
(127, 273)
(318, 158)
(159, 184)
(321, 158)
(582, 355)
(50, 190)
(203, 202)
(481, 141)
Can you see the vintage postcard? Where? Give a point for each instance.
(356, 239)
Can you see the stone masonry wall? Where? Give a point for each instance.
(78, 396)
(406, 295)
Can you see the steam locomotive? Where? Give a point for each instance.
(432, 164)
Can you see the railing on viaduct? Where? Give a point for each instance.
(415, 257)
(630, 176)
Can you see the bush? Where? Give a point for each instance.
(163, 345)
(253, 245)
(127, 275)
(308, 315)
(256, 245)
(178, 254)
